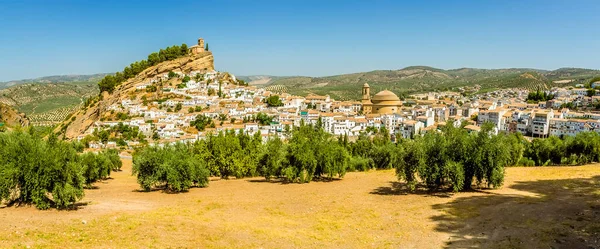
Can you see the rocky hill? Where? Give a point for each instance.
(422, 78)
(82, 119)
(11, 117)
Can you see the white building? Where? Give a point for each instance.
(540, 124)
(410, 128)
(493, 116)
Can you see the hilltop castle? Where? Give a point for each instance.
(384, 102)
(198, 48)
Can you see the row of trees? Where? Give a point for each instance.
(538, 96)
(452, 158)
(48, 173)
(109, 82)
(52, 173)
(310, 153)
(580, 149)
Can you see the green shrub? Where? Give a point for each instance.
(526, 162)
(358, 163)
(172, 167)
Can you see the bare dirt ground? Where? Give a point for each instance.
(545, 207)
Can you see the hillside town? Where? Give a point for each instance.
(226, 103)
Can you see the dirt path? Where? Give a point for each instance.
(365, 209)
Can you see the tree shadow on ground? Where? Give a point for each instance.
(73, 207)
(398, 188)
(95, 186)
(262, 180)
(164, 189)
(285, 181)
(562, 213)
(77, 206)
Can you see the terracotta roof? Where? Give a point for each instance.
(473, 128)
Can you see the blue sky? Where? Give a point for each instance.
(314, 38)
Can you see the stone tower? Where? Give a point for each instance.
(366, 93)
(198, 48)
(367, 105)
(201, 44)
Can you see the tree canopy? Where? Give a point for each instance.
(273, 101)
(48, 173)
(109, 82)
(455, 158)
(538, 96)
(173, 167)
(201, 122)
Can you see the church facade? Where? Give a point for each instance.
(384, 102)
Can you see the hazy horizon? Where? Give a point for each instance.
(247, 75)
(308, 38)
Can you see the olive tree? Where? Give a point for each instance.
(34, 171)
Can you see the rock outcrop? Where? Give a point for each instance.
(11, 117)
(86, 117)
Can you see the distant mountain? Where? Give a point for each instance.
(422, 78)
(257, 80)
(57, 79)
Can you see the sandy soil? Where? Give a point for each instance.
(537, 208)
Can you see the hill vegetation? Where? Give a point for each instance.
(109, 82)
(115, 90)
(91, 78)
(10, 117)
(420, 78)
(48, 103)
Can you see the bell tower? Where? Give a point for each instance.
(366, 93)
(366, 99)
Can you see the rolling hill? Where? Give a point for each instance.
(92, 78)
(47, 103)
(422, 78)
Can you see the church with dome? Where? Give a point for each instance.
(384, 102)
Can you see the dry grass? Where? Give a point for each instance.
(363, 210)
